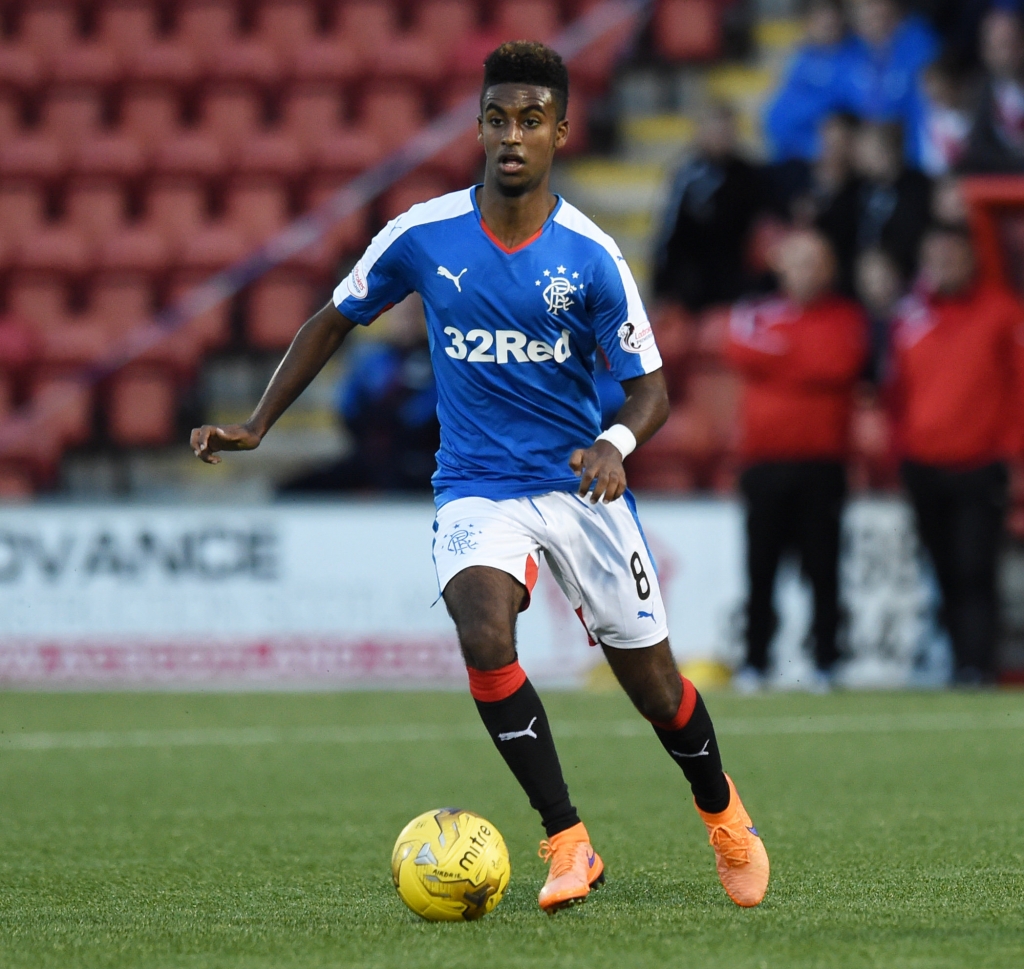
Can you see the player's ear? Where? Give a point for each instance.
(480, 128)
(561, 132)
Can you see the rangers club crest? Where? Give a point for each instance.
(559, 289)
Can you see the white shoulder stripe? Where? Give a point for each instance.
(439, 209)
(573, 219)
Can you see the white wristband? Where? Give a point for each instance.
(621, 437)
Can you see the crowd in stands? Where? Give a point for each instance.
(836, 290)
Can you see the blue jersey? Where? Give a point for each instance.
(514, 335)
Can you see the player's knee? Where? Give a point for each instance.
(486, 645)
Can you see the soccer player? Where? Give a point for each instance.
(521, 292)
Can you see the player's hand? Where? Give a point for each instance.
(599, 466)
(210, 438)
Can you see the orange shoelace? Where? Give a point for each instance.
(731, 847)
(561, 860)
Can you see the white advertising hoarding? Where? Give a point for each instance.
(345, 594)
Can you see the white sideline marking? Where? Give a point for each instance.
(838, 723)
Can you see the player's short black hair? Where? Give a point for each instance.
(528, 62)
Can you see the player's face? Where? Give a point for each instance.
(520, 132)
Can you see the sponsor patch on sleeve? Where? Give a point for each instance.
(355, 283)
(635, 338)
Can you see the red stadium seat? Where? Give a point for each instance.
(113, 155)
(30, 447)
(96, 206)
(257, 207)
(40, 299)
(329, 58)
(271, 153)
(10, 113)
(345, 153)
(176, 208)
(286, 25)
(527, 19)
(592, 69)
(231, 113)
(392, 113)
(37, 157)
(120, 301)
(136, 252)
(212, 246)
(165, 61)
(207, 27)
(15, 483)
(72, 114)
(312, 111)
(415, 188)
(444, 24)
(86, 63)
(367, 25)
(190, 152)
(6, 396)
(57, 248)
(72, 342)
(346, 236)
(127, 26)
(150, 112)
(68, 403)
(211, 328)
(278, 305)
(22, 210)
(49, 28)
(19, 67)
(407, 57)
(687, 29)
(19, 347)
(141, 407)
(246, 60)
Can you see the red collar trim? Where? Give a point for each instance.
(501, 245)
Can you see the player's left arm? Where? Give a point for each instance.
(644, 411)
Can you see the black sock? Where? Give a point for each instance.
(694, 748)
(519, 728)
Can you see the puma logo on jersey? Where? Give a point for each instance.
(516, 734)
(441, 271)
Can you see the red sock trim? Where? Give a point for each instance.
(685, 711)
(489, 686)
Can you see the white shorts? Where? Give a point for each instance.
(597, 554)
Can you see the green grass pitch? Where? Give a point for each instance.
(182, 831)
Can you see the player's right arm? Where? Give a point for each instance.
(315, 343)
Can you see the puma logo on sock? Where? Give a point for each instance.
(515, 734)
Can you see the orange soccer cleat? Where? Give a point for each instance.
(575, 868)
(740, 857)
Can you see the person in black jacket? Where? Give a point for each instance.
(716, 197)
(894, 203)
(996, 140)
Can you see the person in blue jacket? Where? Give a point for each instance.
(812, 88)
(880, 66)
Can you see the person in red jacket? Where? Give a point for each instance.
(800, 355)
(958, 374)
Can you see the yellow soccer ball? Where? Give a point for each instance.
(450, 865)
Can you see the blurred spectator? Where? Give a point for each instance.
(895, 201)
(388, 402)
(948, 202)
(715, 199)
(958, 356)
(996, 141)
(811, 87)
(945, 119)
(880, 66)
(800, 355)
(825, 194)
(879, 289)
